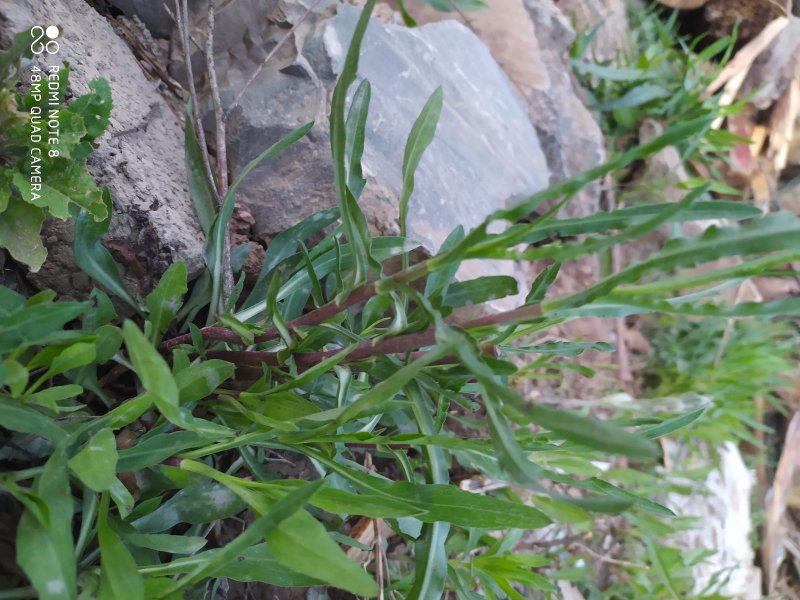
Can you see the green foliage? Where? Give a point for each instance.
(662, 77)
(43, 150)
(707, 358)
(335, 361)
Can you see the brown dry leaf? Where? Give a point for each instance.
(741, 63)
(569, 591)
(364, 532)
(782, 124)
(782, 485)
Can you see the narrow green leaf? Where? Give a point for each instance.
(36, 324)
(421, 136)
(197, 381)
(200, 188)
(285, 245)
(353, 220)
(16, 417)
(214, 251)
(480, 290)
(593, 433)
(356, 127)
(203, 502)
(673, 424)
(157, 379)
(164, 302)
(154, 449)
(119, 576)
(541, 285)
(277, 514)
(387, 389)
(94, 259)
(46, 554)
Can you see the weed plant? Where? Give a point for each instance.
(128, 444)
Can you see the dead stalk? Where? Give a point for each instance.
(222, 153)
(182, 20)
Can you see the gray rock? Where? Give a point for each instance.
(570, 136)
(151, 12)
(140, 157)
(530, 41)
(609, 21)
(485, 154)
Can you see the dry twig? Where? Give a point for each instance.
(222, 153)
(181, 17)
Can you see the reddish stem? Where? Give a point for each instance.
(314, 317)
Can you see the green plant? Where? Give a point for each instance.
(662, 76)
(708, 358)
(43, 150)
(330, 359)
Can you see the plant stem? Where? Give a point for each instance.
(395, 345)
(314, 317)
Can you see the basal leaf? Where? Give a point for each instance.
(46, 554)
(96, 463)
(94, 259)
(352, 218)
(119, 575)
(164, 302)
(200, 188)
(214, 250)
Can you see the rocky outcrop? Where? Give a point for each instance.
(139, 158)
(513, 120)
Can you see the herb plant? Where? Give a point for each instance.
(43, 151)
(127, 445)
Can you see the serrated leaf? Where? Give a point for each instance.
(94, 108)
(20, 226)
